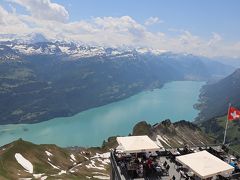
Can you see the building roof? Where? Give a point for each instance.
(204, 164)
(135, 144)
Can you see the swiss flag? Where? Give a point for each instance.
(233, 113)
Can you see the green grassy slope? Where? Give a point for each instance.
(215, 127)
(83, 165)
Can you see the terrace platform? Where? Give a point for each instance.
(163, 164)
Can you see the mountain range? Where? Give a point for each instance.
(42, 79)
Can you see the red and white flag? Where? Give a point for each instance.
(233, 113)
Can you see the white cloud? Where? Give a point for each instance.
(44, 9)
(152, 20)
(10, 23)
(216, 38)
(113, 31)
(3, 14)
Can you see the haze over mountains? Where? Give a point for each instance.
(43, 80)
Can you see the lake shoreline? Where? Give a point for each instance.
(90, 128)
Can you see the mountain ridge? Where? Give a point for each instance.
(38, 87)
(212, 104)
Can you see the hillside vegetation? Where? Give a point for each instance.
(215, 128)
(52, 162)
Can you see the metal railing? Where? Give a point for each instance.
(115, 174)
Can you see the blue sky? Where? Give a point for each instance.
(200, 17)
(188, 21)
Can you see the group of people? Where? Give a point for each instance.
(236, 165)
(141, 165)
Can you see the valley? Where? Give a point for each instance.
(48, 82)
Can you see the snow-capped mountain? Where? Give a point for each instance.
(64, 78)
(33, 38)
(37, 44)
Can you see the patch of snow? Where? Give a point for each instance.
(93, 166)
(100, 173)
(180, 142)
(37, 176)
(86, 157)
(24, 178)
(64, 49)
(88, 177)
(157, 51)
(101, 177)
(75, 166)
(55, 167)
(163, 140)
(29, 50)
(44, 177)
(157, 142)
(48, 159)
(104, 155)
(73, 157)
(62, 172)
(24, 162)
(48, 153)
(115, 52)
(142, 50)
(149, 50)
(104, 161)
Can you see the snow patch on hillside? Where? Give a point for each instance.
(44, 177)
(62, 172)
(48, 153)
(55, 167)
(163, 140)
(104, 155)
(101, 177)
(27, 165)
(73, 157)
(37, 176)
(93, 166)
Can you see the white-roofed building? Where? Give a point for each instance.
(205, 165)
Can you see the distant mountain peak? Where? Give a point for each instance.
(237, 71)
(32, 38)
(36, 38)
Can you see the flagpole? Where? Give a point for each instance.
(225, 133)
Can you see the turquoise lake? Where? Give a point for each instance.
(89, 128)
